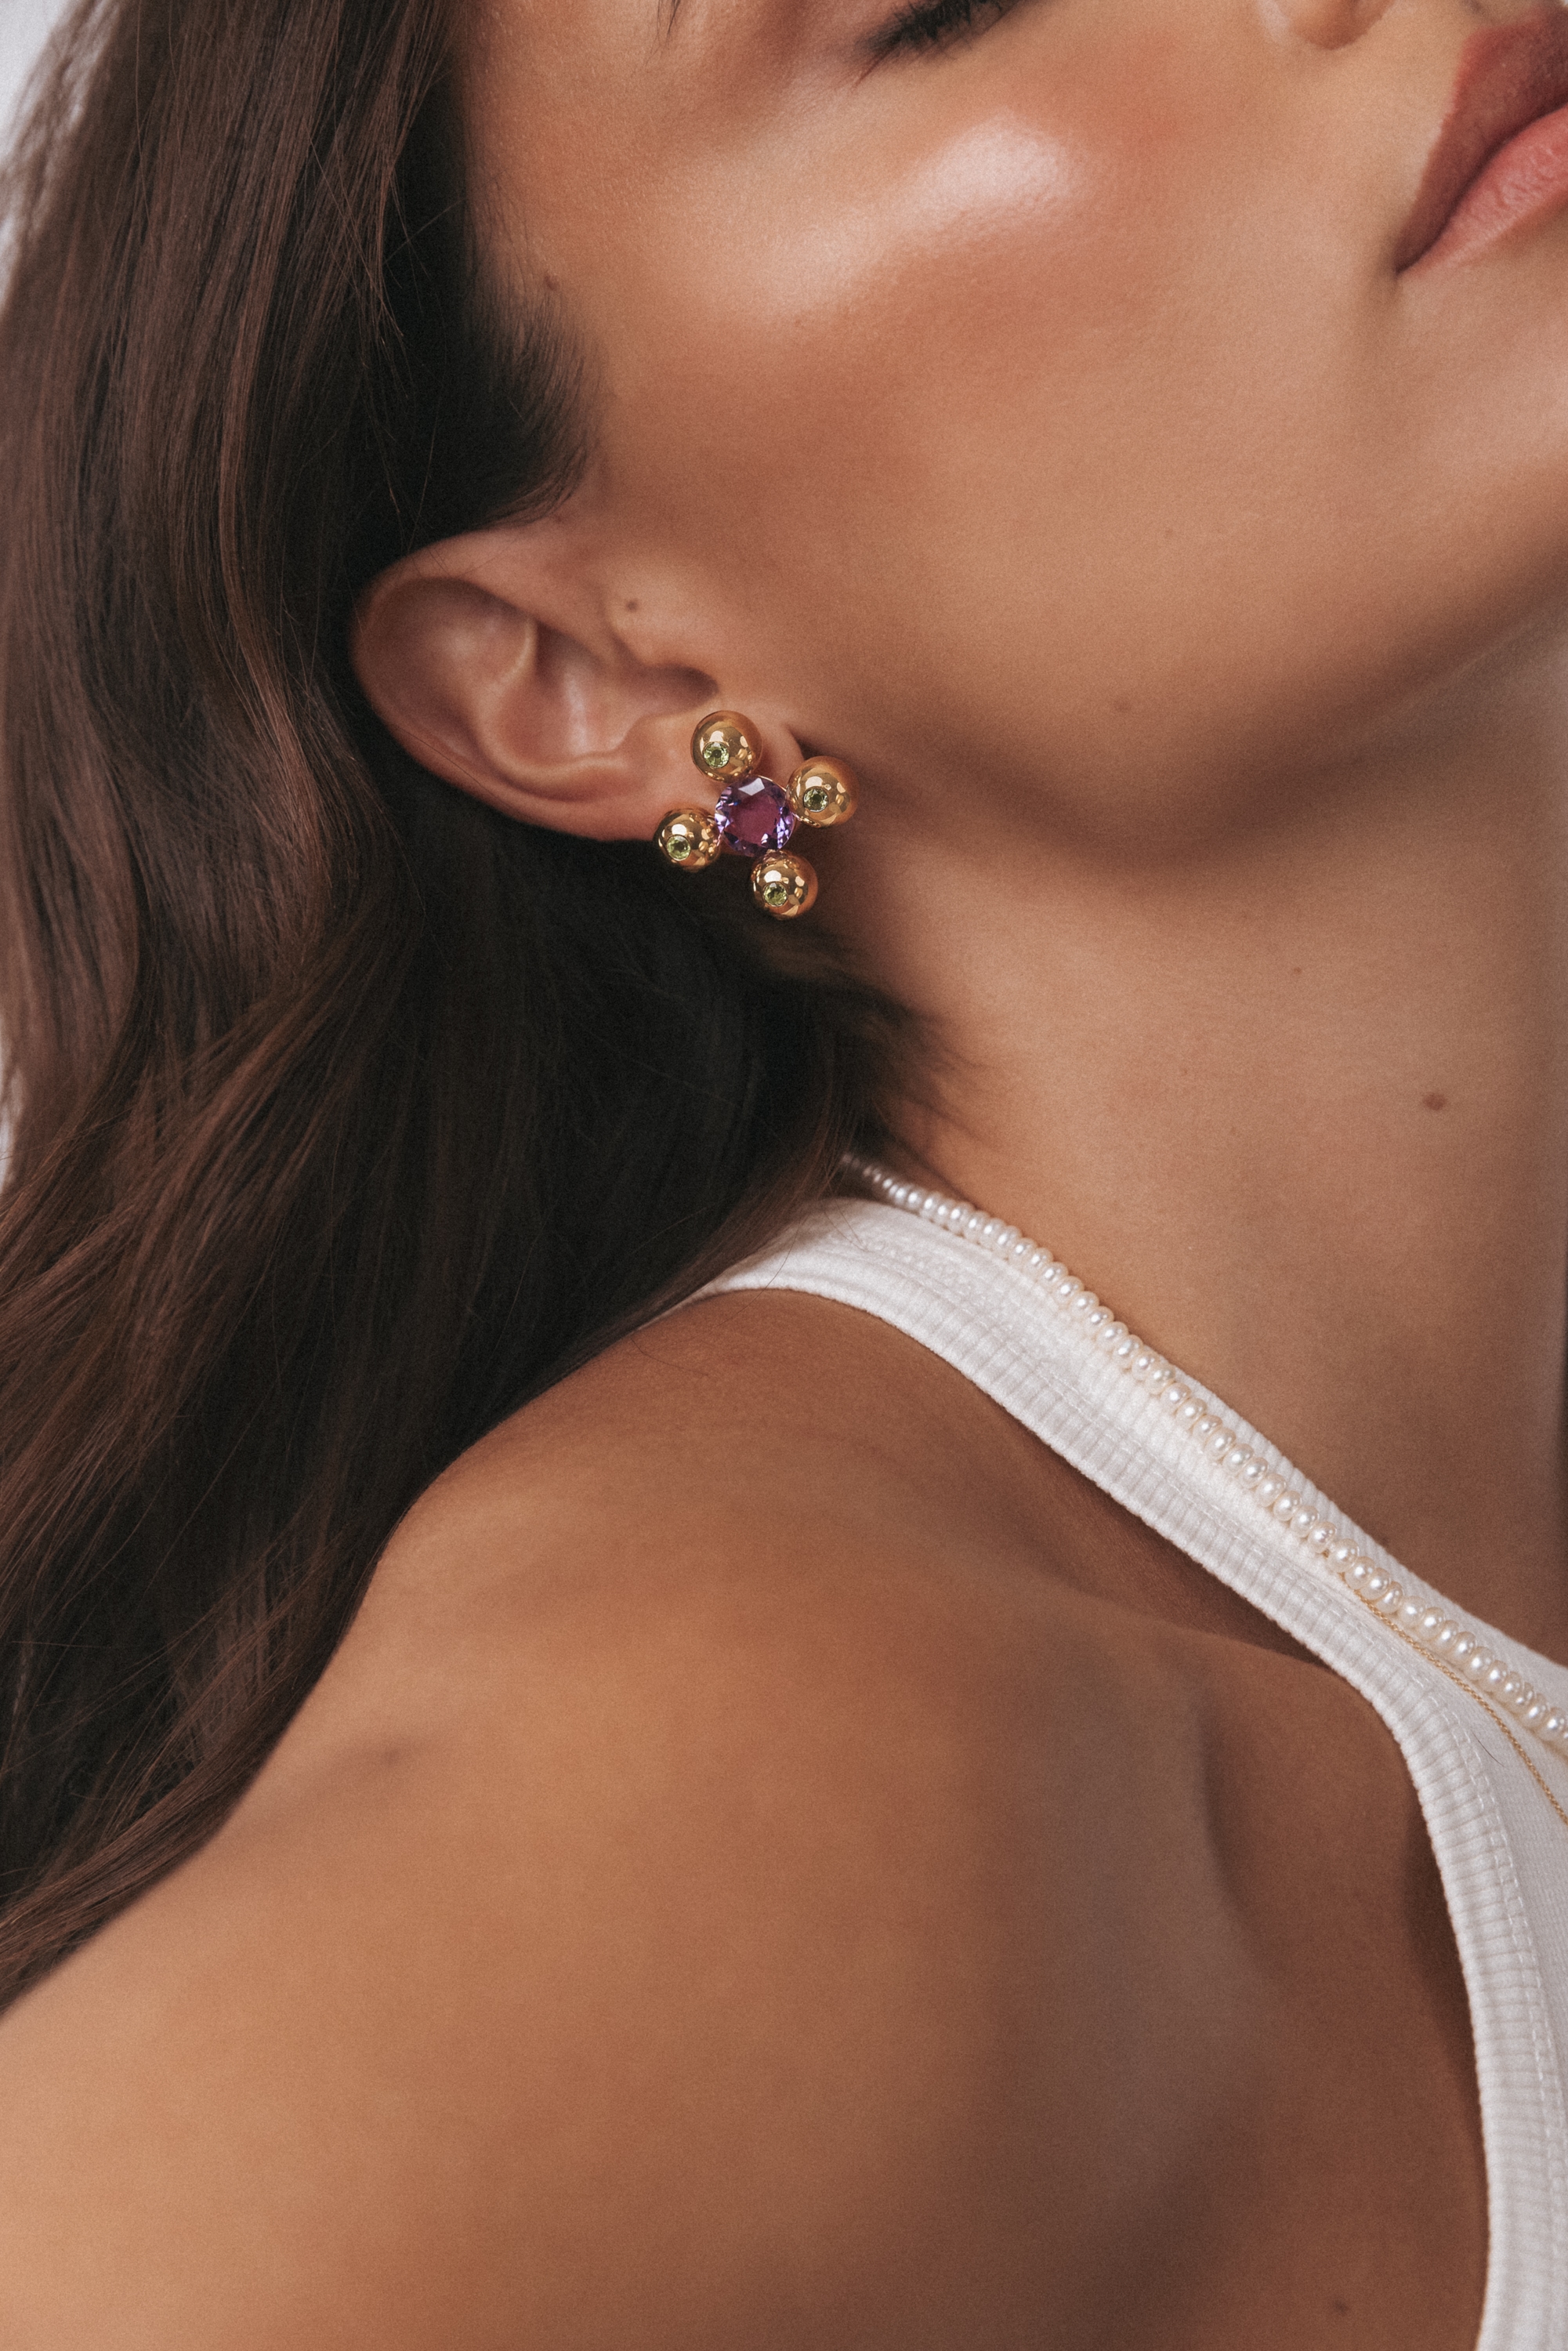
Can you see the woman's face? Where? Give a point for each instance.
(1042, 403)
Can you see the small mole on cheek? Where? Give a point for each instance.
(552, 284)
(631, 604)
(1122, 702)
(1434, 1101)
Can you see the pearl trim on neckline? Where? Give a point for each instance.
(1453, 1646)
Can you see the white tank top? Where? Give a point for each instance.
(1488, 1783)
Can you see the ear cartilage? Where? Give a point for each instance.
(755, 818)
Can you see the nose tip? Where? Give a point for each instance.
(1335, 23)
(1329, 24)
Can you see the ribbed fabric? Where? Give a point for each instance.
(1501, 1851)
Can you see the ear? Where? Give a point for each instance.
(504, 662)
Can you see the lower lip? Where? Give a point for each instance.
(1526, 182)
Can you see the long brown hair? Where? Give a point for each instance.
(344, 1115)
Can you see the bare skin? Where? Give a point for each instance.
(1188, 585)
(910, 1905)
(925, 1911)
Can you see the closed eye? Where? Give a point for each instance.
(933, 24)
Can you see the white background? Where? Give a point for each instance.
(24, 25)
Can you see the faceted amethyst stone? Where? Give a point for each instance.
(754, 818)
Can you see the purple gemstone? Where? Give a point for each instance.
(754, 818)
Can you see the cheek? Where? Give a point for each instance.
(1079, 443)
(906, 363)
(979, 431)
(954, 405)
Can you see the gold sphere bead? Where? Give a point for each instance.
(689, 839)
(727, 747)
(783, 885)
(822, 792)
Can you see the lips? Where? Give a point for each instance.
(1511, 76)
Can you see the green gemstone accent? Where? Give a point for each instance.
(680, 848)
(714, 754)
(777, 894)
(815, 796)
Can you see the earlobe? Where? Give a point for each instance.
(556, 725)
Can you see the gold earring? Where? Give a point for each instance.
(755, 818)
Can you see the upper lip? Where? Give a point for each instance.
(1509, 76)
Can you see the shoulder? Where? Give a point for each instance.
(677, 1916)
(767, 1523)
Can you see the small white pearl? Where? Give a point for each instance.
(1440, 1633)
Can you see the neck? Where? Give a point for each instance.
(1296, 1104)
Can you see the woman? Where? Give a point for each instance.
(776, 1854)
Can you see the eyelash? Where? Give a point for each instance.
(932, 24)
